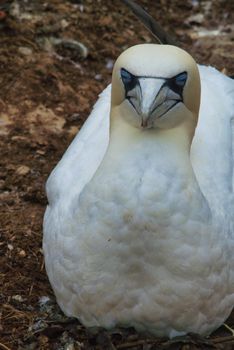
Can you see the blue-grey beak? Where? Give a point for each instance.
(153, 97)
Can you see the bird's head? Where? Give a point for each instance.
(156, 86)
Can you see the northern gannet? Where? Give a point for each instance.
(139, 228)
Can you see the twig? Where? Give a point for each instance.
(223, 339)
(15, 313)
(4, 347)
(30, 290)
(135, 343)
(220, 340)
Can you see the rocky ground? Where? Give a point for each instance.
(55, 58)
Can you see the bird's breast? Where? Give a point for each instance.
(141, 203)
(145, 188)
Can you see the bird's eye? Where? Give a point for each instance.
(180, 79)
(177, 83)
(126, 76)
(129, 80)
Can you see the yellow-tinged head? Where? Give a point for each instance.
(156, 86)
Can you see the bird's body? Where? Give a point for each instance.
(139, 227)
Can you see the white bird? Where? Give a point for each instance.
(139, 228)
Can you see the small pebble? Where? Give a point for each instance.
(64, 23)
(22, 170)
(98, 77)
(70, 347)
(17, 297)
(109, 64)
(43, 300)
(22, 253)
(26, 51)
(40, 152)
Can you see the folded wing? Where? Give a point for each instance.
(212, 154)
(84, 155)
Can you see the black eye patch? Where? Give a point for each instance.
(129, 80)
(177, 83)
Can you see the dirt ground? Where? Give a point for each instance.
(55, 58)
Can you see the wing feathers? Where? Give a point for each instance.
(84, 155)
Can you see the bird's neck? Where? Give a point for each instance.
(158, 160)
(171, 145)
(152, 158)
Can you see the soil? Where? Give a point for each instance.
(55, 58)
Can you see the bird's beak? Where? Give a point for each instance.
(156, 98)
(152, 97)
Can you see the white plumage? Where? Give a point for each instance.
(139, 230)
